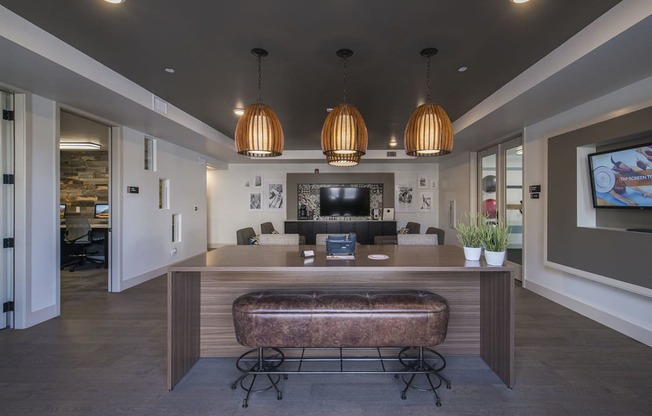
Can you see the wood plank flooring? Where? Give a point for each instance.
(106, 356)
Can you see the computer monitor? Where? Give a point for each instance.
(62, 211)
(102, 211)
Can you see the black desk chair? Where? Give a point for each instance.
(79, 235)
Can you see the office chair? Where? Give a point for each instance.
(440, 234)
(79, 235)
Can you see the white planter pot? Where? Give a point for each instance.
(472, 253)
(494, 258)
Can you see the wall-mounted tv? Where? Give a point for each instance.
(102, 211)
(341, 201)
(622, 178)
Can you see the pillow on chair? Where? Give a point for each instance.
(403, 230)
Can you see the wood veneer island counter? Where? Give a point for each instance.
(202, 289)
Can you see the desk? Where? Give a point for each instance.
(201, 291)
(66, 249)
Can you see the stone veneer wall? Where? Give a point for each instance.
(84, 179)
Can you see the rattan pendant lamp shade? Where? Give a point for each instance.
(429, 131)
(259, 132)
(344, 134)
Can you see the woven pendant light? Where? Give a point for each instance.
(429, 131)
(259, 132)
(344, 134)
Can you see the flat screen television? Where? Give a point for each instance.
(102, 211)
(341, 201)
(622, 178)
(62, 211)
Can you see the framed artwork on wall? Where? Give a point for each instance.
(255, 201)
(425, 202)
(275, 197)
(405, 199)
(258, 180)
(422, 180)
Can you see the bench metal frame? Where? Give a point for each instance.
(408, 362)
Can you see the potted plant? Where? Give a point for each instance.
(495, 237)
(470, 235)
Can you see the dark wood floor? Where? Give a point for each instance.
(106, 356)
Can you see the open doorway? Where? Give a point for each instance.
(85, 172)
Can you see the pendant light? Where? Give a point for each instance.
(429, 131)
(259, 132)
(344, 135)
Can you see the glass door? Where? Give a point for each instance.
(7, 209)
(488, 192)
(500, 191)
(513, 205)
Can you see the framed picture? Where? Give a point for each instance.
(405, 200)
(258, 180)
(275, 197)
(425, 202)
(247, 183)
(255, 201)
(422, 180)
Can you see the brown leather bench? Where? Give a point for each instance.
(340, 319)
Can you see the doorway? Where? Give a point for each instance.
(7, 210)
(500, 191)
(85, 177)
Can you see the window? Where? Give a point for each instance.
(176, 228)
(149, 148)
(164, 194)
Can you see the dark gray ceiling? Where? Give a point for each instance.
(207, 42)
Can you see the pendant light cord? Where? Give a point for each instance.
(260, 80)
(428, 81)
(344, 80)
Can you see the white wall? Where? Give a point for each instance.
(621, 310)
(143, 245)
(228, 196)
(457, 180)
(37, 220)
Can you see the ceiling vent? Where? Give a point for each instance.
(159, 105)
(391, 153)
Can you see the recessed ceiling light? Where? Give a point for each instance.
(462, 68)
(170, 70)
(329, 109)
(238, 111)
(519, 1)
(115, 1)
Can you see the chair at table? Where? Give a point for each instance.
(440, 234)
(267, 228)
(79, 236)
(244, 236)
(411, 227)
(278, 239)
(417, 239)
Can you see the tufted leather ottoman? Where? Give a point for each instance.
(340, 318)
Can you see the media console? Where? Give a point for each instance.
(365, 230)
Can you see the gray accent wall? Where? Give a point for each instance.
(294, 179)
(611, 252)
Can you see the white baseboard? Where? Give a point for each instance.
(134, 281)
(630, 329)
